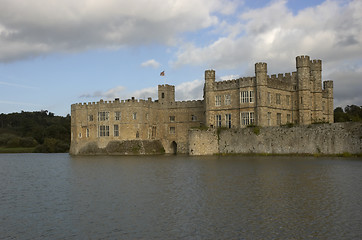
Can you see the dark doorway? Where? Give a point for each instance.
(174, 147)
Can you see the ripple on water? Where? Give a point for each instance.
(56, 196)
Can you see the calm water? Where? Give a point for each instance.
(56, 196)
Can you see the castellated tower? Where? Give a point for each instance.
(166, 94)
(328, 91)
(316, 90)
(209, 79)
(304, 91)
(261, 93)
(208, 94)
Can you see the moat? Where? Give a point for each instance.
(57, 196)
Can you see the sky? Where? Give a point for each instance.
(54, 53)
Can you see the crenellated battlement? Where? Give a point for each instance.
(283, 77)
(316, 65)
(227, 84)
(235, 83)
(302, 61)
(135, 103)
(260, 67)
(247, 82)
(166, 86)
(327, 84)
(281, 81)
(116, 103)
(189, 104)
(210, 74)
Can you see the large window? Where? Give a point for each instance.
(103, 116)
(172, 130)
(227, 99)
(247, 118)
(217, 100)
(90, 118)
(172, 118)
(246, 96)
(103, 131)
(116, 130)
(228, 120)
(218, 120)
(251, 96)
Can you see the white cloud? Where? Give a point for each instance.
(151, 63)
(229, 77)
(331, 31)
(37, 27)
(192, 90)
(112, 93)
(347, 91)
(145, 93)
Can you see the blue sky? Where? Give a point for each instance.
(57, 52)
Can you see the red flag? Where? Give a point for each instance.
(162, 73)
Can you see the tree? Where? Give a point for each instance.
(351, 113)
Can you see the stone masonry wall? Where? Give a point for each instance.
(202, 142)
(128, 147)
(333, 138)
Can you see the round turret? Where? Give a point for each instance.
(260, 67)
(328, 84)
(302, 61)
(210, 74)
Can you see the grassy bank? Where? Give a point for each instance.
(16, 150)
(345, 154)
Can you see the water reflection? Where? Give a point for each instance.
(179, 197)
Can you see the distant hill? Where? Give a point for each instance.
(34, 132)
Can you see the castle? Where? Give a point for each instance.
(262, 100)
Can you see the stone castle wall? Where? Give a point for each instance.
(164, 120)
(336, 138)
(278, 99)
(296, 97)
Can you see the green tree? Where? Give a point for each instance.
(351, 113)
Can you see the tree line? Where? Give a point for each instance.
(40, 131)
(351, 113)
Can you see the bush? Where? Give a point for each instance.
(52, 145)
(256, 129)
(13, 142)
(5, 137)
(289, 125)
(28, 142)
